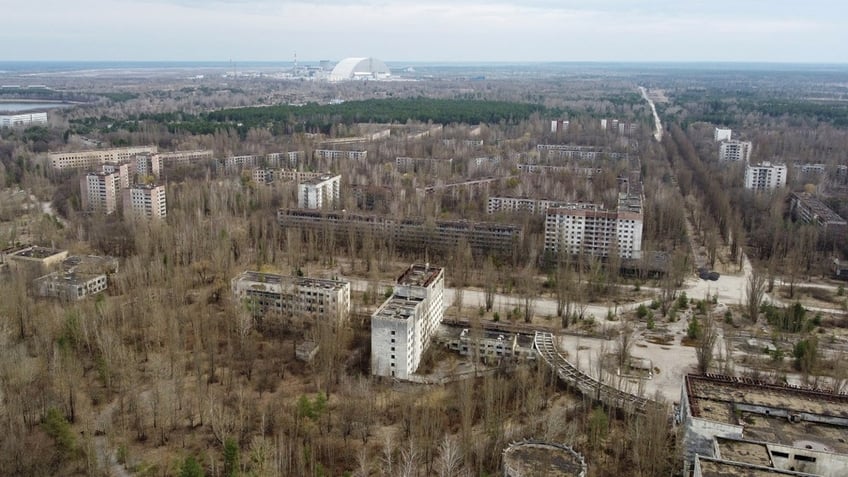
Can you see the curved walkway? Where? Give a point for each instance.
(545, 345)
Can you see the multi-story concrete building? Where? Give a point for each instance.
(521, 204)
(184, 158)
(319, 193)
(408, 234)
(573, 169)
(122, 170)
(489, 345)
(413, 164)
(23, 119)
(559, 125)
(268, 176)
(590, 229)
(336, 154)
(148, 164)
(722, 134)
(145, 200)
(91, 159)
(808, 209)
(99, 192)
(69, 286)
(268, 292)
(732, 150)
(566, 151)
(401, 329)
(765, 176)
(817, 169)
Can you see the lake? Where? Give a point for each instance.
(12, 107)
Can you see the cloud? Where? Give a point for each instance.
(490, 30)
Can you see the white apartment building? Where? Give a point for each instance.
(147, 164)
(99, 192)
(121, 171)
(147, 201)
(734, 151)
(559, 125)
(519, 204)
(401, 329)
(765, 176)
(294, 295)
(95, 157)
(589, 229)
(319, 193)
(25, 119)
(722, 134)
(267, 176)
(336, 154)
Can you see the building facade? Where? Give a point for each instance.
(336, 154)
(122, 170)
(24, 119)
(319, 193)
(521, 204)
(99, 192)
(184, 158)
(808, 209)
(91, 159)
(268, 292)
(591, 230)
(765, 176)
(409, 234)
(403, 326)
(733, 151)
(69, 286)
(147, 201)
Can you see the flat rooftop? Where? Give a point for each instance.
(721, 468)
(36, 252)
(744, 451)
(763, 411)
(542, 460)
(319, 179)
(276, 279)
(396, 308)
(419, 275)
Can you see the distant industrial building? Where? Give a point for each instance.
(268, 292)
(146, 201)
(409, 233)
(402, 327)
(360, 69)
(738, 426)
(765, 176)
(722, 134)
(94, 158)
(319, 193)
(734, 151)
(99, 192)
(22, 120)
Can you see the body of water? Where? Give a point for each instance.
(16, 107)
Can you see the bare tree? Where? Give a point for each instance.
(755, 291)
(449, 460)
(623, 344)
(705, 349)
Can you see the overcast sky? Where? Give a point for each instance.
(422, 30)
